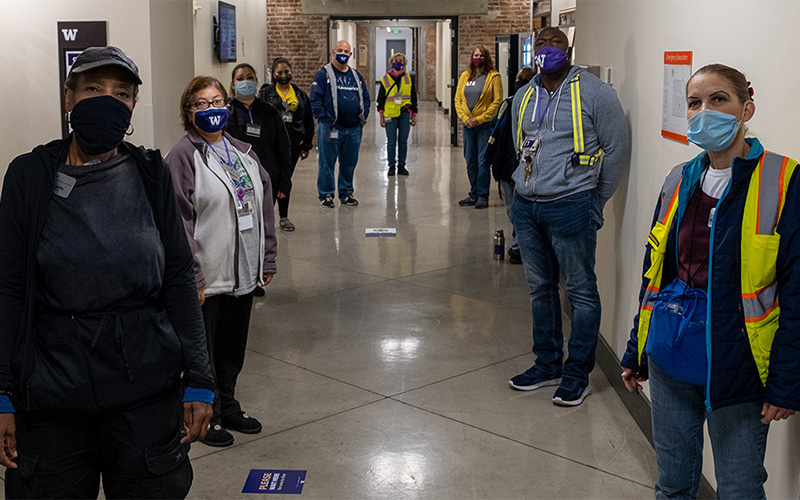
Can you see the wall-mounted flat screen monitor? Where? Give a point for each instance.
(227, 32)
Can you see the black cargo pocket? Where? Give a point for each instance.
(165, 458)
(26, 464)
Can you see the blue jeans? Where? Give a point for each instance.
(476, 140)
(738, 439)
(345, 148)
(508, 197)
(397, 135)
(561, 236)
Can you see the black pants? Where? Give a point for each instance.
(137, 452)
(227, 320)
(283, 203)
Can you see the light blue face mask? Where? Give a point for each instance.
(713, 130)
(246, 88)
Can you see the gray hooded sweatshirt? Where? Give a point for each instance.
(604, 126)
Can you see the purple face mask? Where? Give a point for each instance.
(397, 66)
(550, 59)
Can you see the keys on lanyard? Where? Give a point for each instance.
(530, 146)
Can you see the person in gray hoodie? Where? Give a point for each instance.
(572, 141)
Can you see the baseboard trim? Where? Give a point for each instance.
(636, 404)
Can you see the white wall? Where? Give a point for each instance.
(29, 80)
(631, 36)
(251, 34)
(346, 31)
(168, 44)
(443, 63)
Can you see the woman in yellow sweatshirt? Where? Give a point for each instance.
(479, 93)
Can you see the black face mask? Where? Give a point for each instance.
(284, 79)
(519, 84)
(99, 123)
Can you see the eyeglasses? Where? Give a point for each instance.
(201, 105)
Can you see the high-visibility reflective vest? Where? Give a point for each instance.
(759, 253)
(390, 108)
(577, 121)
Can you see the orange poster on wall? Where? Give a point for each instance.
(677, 71)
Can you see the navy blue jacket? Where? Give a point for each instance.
(322, 100)
(734, 375)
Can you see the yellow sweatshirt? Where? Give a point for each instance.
(487, 104)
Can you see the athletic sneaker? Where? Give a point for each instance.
(533, 379)
(349, 200)
(571, 393)
(327, 202)
(286, 224)
(468, 202)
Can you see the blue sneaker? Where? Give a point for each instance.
(571, 393)
(532, 379)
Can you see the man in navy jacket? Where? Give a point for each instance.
(340, 103)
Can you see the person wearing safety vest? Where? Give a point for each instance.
(478, 95)
(718, 327)
(565, 124)
(397, 105)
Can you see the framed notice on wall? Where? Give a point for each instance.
(677, 71)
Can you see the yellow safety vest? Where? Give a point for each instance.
(577, 122)
(759, 253)
(390, 109)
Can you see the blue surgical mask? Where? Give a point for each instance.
(713, 130)
(211, 120)
(342, 58)
(550, 59)
(246, 88)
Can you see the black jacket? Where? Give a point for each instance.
(500, 153)
(301, 128)
(27, 191)
(271, 146)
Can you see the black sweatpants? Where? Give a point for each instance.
(137, 452)
(227, 320)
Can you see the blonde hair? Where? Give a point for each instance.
(399, 56)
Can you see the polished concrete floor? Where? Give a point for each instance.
(381, 365)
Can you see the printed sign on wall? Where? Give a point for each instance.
(73, 37)
(677, 71)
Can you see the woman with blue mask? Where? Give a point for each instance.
(224, 196)
(716, 332)
(261, 125)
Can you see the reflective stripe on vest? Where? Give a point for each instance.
(657, 241)
(390, 109)
(577, 122)
(766, 195)
(762, 211)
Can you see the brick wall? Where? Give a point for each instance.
(504, 17)
(362, 38)
(430, 62)
(302, 39)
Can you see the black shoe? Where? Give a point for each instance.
(327, 201)
(258, 292)
(401, 170)
(349, 200)
(217, 436)
(242, 422)
(514, 257)
(467, 202)
(391, 171)
(482, 203)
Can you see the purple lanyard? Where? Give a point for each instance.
(540, 118)
(239, 190)
(250, 112)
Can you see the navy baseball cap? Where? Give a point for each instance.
(94, 57)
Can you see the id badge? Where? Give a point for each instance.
(711, 216)
(387, 120)
(245, 222)
(334, 134)
(254, 130)
(64, 184)
(398, 101)
(286, 116)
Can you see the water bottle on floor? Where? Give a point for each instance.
(499, 245)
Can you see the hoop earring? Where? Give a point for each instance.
(132, 130)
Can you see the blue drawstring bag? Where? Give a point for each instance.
(677, 337)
